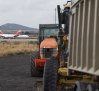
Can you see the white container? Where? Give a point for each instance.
(74, 1)
(84, 37)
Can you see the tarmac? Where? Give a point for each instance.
(15, 73)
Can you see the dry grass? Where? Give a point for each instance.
(12, 49)
(33, 36)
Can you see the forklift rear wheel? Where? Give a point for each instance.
(34, 71)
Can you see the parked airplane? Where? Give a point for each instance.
(12, 36)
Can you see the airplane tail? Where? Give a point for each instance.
(18, 33)
(1, 32)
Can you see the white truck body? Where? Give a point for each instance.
(84, 37)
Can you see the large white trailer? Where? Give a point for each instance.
(84, 36)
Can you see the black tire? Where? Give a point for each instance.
(80, 86)
(4, 38)
(33, 70)
(50, 74)
(92, 87)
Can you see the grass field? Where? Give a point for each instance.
(17, 48)
(33, 36)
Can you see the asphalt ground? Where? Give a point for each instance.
(18, 39)
(15, 73)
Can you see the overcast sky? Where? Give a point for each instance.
(29, 13)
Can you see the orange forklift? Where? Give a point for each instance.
(48, 46)
(51, 44)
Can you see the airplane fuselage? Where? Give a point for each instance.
(7, 35)
(23, 36)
